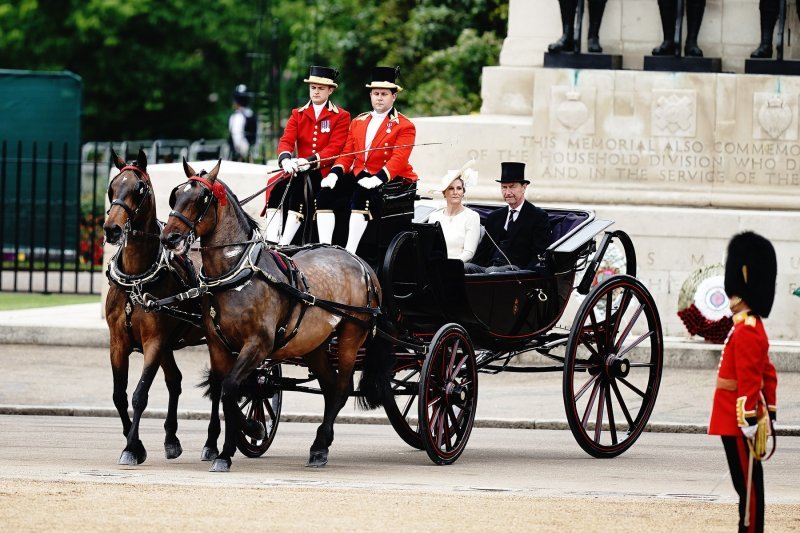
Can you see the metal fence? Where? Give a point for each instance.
(53, 207)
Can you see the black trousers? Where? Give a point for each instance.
(738, 454)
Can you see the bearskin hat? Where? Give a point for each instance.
(750, 271)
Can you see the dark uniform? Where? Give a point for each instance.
(746, 381)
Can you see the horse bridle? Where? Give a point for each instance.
(205, 197)
(142, 189)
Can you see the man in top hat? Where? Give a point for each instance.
(515, 237)
(746, 381)
(242, 125)
(315, 131)
(388, 135)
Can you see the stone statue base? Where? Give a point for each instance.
(583, 61)
(783, 67)
(682, 64)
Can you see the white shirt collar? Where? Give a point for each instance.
(381, 116)
(318, 108)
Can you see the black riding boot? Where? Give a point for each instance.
(596, 8)
(668, 12)
(694, 18)
(768, 9)
(567, 41)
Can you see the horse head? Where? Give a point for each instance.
(129, 193)
(191, 203)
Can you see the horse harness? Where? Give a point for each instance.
(296, 286)
(134, 285)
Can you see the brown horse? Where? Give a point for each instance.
(142, 265)
(261, 307)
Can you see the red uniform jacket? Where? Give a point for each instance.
(315, 138)
(395, 130)
(745, 373)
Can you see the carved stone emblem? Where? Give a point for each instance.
(775, 116)
(572, 112)
(674, 115)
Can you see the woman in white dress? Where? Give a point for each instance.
(461, 225)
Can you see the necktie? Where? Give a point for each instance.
(512, 216)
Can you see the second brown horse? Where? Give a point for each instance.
(260, 306)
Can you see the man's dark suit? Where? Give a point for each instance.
(528, 237)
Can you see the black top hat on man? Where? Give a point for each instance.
(750, 271)
(385, 78)
(241, 95)
(322, 76)
(512, 172)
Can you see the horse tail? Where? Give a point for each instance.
(209, 383)
(379, 361)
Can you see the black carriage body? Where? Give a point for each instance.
(502, 310)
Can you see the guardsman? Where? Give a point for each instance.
(242, 126)
(318, 130)
(389, 137)
(745, 396)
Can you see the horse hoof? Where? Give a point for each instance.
(173, 450)
(255, 429)
(208, 454)
(317, 459)
(220, 465)
(128, 459)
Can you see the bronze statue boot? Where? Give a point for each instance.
(593, 45)
(690, 49)
(764, 51)
(565, 44)
(666, 48)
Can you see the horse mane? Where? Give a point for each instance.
(251, 222)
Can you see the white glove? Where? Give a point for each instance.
(302, 164)
(370, 182)
(750, 431)
(329, 181)
(289, 166)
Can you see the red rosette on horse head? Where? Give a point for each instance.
(703, 304)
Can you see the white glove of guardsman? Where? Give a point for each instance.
(289, 166)
(302, 164)
(750, 431)
(370, 182)
(330, 180)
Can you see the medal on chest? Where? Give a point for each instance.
(325, 126)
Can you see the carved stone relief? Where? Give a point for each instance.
(572, 110)
(674, 113)
(774, 116)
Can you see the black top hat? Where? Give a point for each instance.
(512, 173)
(750, 271)
(385, 78)
(322, 76)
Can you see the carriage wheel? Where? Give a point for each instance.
(403, 403)
(261, 401)
(448, 394)
(612, 366)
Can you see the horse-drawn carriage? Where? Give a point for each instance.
(432, 328)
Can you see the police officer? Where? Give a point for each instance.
(242, 125)
(746, 380)
(389, 136)
(315, 131)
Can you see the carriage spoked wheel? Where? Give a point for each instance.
(612, 367)
(402, 404)
(261, 401)
(448, 394)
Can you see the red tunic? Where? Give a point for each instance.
(396, 130)
(745, 373)
(315, 138)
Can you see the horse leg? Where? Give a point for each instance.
(172, 377)
(244, 364)
(119, 371)
(135, 453)
(210, 450)
(331, 384)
